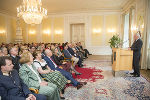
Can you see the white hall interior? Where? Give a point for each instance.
(93, 22)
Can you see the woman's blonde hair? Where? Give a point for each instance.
(25, 57)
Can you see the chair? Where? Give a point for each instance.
(34, 90)
(68, 59)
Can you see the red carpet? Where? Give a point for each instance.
(88, 74)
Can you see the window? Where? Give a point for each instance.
(126, 32)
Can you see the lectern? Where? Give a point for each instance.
(122, 60)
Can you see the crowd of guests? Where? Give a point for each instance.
(42, 67)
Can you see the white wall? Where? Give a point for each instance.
(86, 19)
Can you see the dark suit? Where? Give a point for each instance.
(56, 59)
(67, 54)
(15, 61)
(13, 88)
(74, 54)
(136, 47)
(63, 72)
(71, 51)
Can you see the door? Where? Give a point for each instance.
(78, 33)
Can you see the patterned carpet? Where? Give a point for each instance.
(103, 86)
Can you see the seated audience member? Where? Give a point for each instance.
(1, 54)
(71, 51)
(41, 49)
(11, 86)
(59, 53)
(15, 58)
(68, 55)
(23, 49)
(54, 77)
(65, 65)
(82, 55)
(4, 51)
(32, 49)
(54, 67)
(82, 51)
(86, 51)
(32, 79)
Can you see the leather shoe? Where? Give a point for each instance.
(62, 97)
(79, 86)
(132, 73)
(84, 83)
(136, 76)
(63, 91)
(80, 65)
(77, 74)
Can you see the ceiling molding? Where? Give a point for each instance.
(7, 13)
(128, 5)
(87, 12)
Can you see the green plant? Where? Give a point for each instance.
(115, 41)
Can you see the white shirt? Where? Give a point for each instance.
(137, 39)
(53, 62)
(30, 66)
(37, 65)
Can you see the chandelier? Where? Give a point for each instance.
(31, 11)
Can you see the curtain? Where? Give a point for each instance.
(130, 23)
(148, 31)
(122, 27)
(144, 60)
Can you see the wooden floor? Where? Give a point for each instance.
(144, 73)
(100, 57)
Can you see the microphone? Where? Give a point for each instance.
(121, 44)
(125, 41)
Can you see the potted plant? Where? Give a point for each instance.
(115, 42)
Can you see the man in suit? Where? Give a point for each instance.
(71, 51)
(53, 66)
(136, 47)
(15, 58)
(11, 86)
(68, 55)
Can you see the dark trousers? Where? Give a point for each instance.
(40, 96)
(86, 51)
(68, 76)
(136, 66)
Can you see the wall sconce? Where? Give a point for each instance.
(96, 30)
(2, 31)
(134, 28)
(58, 31)
(32, 31)
(142, 26)
(111, 30)
(46, 32)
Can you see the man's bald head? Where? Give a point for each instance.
(48, 52)
(136, 36)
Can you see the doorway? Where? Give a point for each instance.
(77, 33)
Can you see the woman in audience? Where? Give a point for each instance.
(23, 49)
(31, 78)
(54, 77)
(65, 65)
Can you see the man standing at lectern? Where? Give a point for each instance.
(136, 47)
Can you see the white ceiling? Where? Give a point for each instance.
(61, 6)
